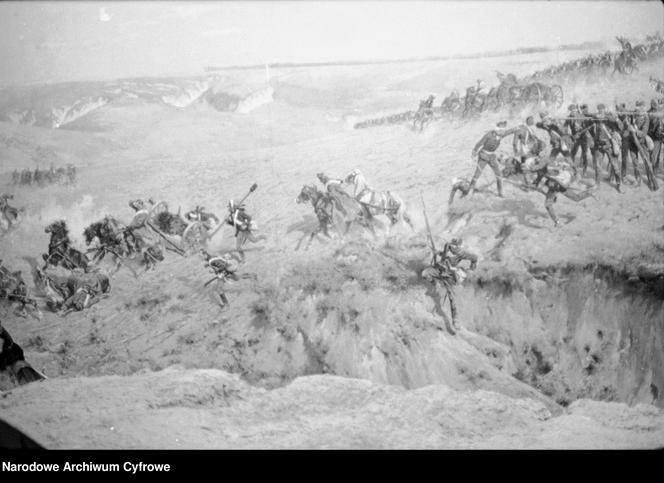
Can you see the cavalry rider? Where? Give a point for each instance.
(224, 268)
(241, 220)
(445, 268)
(485, 150)
(334, 187)
(427, 103)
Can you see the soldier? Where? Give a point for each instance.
(580, 132)
(459, 184)
(485, 150)
(558, 179)
(525, 142)
(656, 133)
(445, 268)
(639, 125)
(240, 219)
(604, 130)
(224, 268)
(561, 143)
(199, 214)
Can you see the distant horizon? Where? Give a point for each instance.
(210, 70)
(56, 42)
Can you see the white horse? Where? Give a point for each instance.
(376, 203)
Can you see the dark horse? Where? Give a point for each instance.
(60, 251)
(121, 242)
(324, 206)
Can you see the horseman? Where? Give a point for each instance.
(445, 271)
(427, 104)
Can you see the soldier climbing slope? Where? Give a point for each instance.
(446, 272)
(224, 268)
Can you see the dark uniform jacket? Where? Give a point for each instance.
(656, 127)
(604, 127)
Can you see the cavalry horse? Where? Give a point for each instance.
(121, 243)
(325, 208)
(375, 202)
(11, 215)
(60, 251)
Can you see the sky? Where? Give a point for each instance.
(43, 42)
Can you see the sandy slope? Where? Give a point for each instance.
(178, 408)
(271, 334)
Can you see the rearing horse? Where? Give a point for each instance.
(9, 213)
(120, 243)
(60, 251)
(377, 202)
(325, 208)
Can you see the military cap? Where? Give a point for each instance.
(640, 103)
(571, 107)
(584, 106)
(501, 124)
(600, 107)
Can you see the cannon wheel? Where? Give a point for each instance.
(195, 237)
(556, 96)
(161, 207)
(140, 217)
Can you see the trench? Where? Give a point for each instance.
(558, 333)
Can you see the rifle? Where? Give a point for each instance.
(426, 219)
(178, 250)
(210, 281)
(652, 180)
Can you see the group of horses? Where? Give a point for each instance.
(42, 177)
(334, 206)
(624, 62)
(510, 92)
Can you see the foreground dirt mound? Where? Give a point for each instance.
(177, 408)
